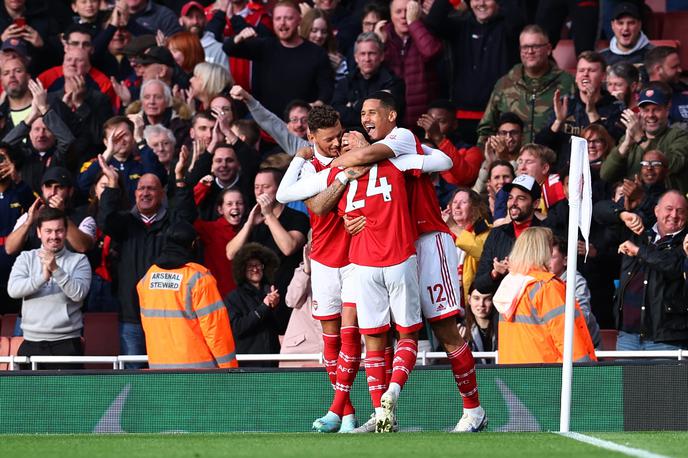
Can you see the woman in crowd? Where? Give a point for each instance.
(531, 302)
(252, 304)
(208, 81)
(480, 325)
(467, 217)
(600, 143)
(187, 51)
(316, 28)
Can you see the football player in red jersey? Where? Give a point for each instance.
(437, 260)
(386, 267)
(333, 302)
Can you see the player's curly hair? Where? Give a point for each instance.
(259, 252)
(322, 117)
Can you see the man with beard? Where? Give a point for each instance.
(523, 200)
(215, 235)
(649, 131)
(192, 19)
(286, 67)
(663, 63)
(14, 79)
(53, 282)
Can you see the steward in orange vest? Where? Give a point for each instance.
(182, 313)
(531, 322)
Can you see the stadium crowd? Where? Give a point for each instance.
(122, 120)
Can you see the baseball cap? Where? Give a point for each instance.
(653, 95)
(157, 55)
(626, 9)
(138, 45)
(17, 45)
(188, 5)
(525, 183)
(59, 175)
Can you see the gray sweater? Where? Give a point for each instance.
(51, 309)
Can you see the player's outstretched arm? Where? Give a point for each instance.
(325, 201)
(433, 161)
(364, 156)
(304, 188)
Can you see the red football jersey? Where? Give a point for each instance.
(380, 195)
(330, 241)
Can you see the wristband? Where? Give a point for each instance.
(341, 176)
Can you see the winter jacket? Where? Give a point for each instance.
(415, 61)
(139, 244)
(472, 240)
(529, 98)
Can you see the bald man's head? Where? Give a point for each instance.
(148, 194)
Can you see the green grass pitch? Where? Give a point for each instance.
(303, 445)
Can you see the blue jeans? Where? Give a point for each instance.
(632, 342)
(132, 341)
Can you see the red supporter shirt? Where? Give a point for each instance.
(215, 236)
(380, 195)
(330, 241)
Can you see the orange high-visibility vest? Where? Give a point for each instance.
(184, 319)
(534, 333)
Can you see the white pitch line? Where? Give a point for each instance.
(630, 451)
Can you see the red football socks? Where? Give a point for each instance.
(375, 374)
(463, 368)
(331, 346)
(404, 361)
(347, 368)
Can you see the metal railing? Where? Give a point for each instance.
(423, 358)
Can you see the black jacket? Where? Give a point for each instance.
(139, 244)
(498, 245)
(253, 323)
(664, 312)
(350, 92)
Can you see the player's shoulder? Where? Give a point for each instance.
(400, 134)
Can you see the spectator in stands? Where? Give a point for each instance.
(524, 199)
(157, 63)
(52, 283)
(500, 172)
(286, 67)
(590, 104)
(57, 189)
(161, 140)
(201, 337)
(479, 328)
(440, 128)
(528, 89)
(304, 333)
(15, 85)
(77, 64)
(530, 302)
(316, 28)
(192, 19)
(187, 50)
(484, 46)
(649, 131)
(623, 82)
(504, 145)
(17, 198)
(641, 194)
(651, 295)
(558, 265)
(122, 152)
(253, 305)
(157, 106)
(209, 81)
(412, 53)
(37, 33)
(370, 75)
(600, 144)
(42, 138)
(277, 227)
(215, 235)
(139, 234)
(153, 16)
(629, 43)
(663, 64)
(551, 16)
(467, 218)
